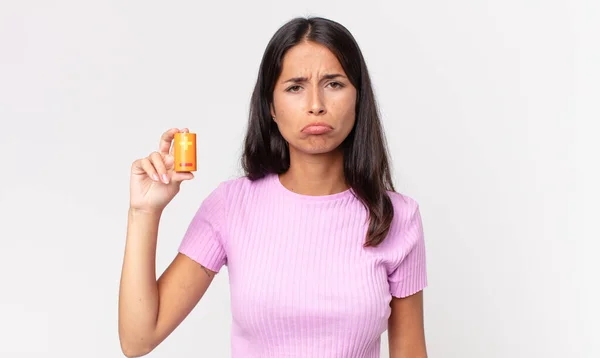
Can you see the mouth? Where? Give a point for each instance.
(317, 128)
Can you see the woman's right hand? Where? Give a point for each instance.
(154, 183)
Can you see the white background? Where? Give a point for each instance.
(490, 108)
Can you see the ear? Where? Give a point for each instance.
(272, 111)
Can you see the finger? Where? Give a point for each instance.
(157, 161)
(181, 176)
(169, 161)
(166, 139)
(148, 168)
(136, 167)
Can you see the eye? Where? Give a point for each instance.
(295, 88)
(336, 84)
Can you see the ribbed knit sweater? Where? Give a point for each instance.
(301, 282)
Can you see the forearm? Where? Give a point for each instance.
(138, 295)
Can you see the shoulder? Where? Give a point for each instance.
(405, 207)
(406, 227)
(237, 187)
(221, 199)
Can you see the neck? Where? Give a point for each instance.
(315, 174)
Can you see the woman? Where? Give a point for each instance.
(323, 255)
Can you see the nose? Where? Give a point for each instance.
(316, 105)
(317, 110)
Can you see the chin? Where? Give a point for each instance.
(318, 147)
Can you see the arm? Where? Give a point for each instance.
(406, 334)
(149, 310)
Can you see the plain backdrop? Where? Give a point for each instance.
(490, 109)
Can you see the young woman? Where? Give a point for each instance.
(323, 255)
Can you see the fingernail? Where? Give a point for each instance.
(155, 177)
(165, 178)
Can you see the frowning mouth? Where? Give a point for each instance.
(317, 128)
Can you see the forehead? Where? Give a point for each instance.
(310, 57)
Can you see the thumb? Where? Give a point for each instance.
(181, 176)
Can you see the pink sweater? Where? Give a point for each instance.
(301, 283)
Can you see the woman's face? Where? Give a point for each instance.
(313, 89)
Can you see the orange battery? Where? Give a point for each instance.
(184, 152)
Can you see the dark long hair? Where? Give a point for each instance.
(366, 167)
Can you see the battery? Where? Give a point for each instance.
(184, 152)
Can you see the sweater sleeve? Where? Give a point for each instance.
(408, 274)
(203, 241)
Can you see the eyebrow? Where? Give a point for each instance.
(304, 79)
